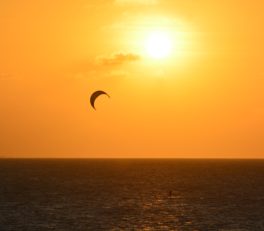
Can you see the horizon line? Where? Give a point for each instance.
(133, 158)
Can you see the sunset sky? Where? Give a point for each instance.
(186, 78)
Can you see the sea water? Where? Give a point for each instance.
(203, 195)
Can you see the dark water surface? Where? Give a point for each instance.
(132, 195)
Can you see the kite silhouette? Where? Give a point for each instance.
(95, 95)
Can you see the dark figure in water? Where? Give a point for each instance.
(170, 193)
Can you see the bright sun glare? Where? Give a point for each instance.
(158, 45)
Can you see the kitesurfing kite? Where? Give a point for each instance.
(95, 95)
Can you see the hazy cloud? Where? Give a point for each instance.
(117, 59)
(136, 2)
(105, 66)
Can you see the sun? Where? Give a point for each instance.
(158, 45)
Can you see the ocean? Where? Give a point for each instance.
(85, 194)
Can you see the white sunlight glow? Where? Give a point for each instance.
(158, 45)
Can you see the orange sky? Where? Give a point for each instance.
(205, 100)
